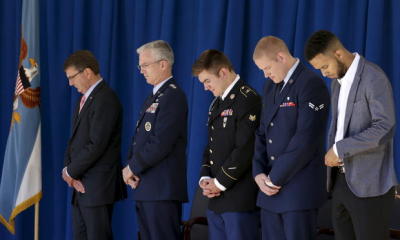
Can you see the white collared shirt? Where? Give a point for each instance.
(345, 85)
(229, 88)
(290, 72)
(159, 85)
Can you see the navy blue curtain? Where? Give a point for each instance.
(113, 30)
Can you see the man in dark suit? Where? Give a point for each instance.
(226, 171)
(156, 167)
(361, 175)
(288, 159)
(92, 158)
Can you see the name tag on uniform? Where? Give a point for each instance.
(152, 108)
(288, 104)
(227, 112)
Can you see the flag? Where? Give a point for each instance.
(21, 180)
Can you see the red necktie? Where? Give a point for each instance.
(83, 99)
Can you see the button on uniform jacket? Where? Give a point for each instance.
(158, 151)
(228, 155)
(290, 142)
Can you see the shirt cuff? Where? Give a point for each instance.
(202, 178)
(219, 185)
(336, 152)
(270, 184)
(66, 171)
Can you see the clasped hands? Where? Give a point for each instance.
(130, 178)
(210, 190)
(76, 184)
(265, 185)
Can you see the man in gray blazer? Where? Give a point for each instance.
(361, 175)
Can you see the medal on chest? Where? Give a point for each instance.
(224, 122)
(147, 126)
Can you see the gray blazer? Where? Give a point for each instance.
(367, 146)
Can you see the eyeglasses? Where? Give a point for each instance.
(145, 65)
(73, 76)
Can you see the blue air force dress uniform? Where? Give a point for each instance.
(289, 149)
(228, 156)
(158, 157)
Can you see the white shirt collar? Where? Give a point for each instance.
(351, 72)
(229, 88)
(90, 90)
(158, 86)
(290, 72)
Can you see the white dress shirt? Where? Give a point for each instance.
(345, 85)
(158, 86)
(290, 72)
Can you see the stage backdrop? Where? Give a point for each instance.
(114, 29)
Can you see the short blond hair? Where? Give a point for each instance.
(269, 46)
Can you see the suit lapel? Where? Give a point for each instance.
(352, 94)
(79, 115)
(150, 99)
(335, 99)
(285, 91)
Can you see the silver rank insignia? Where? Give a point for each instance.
(316, 108)
(252, 118)
(224, 123)
(172, 85)
(147, 126)
(232, 96)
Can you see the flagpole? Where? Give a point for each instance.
(37, 221)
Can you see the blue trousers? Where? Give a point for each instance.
(296, 225)
(159, 220)
(233, 225)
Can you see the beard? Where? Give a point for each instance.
(342, 69)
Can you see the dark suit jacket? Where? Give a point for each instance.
(290, 142)
(158, 152)
(230, 149)
(367, 146)
(93, 151)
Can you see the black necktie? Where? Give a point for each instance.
(278, 89)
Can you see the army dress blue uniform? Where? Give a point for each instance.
(290, 150)
(228, 158)
(158, 158)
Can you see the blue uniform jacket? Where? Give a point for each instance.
(290, 142)
(158, 152)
